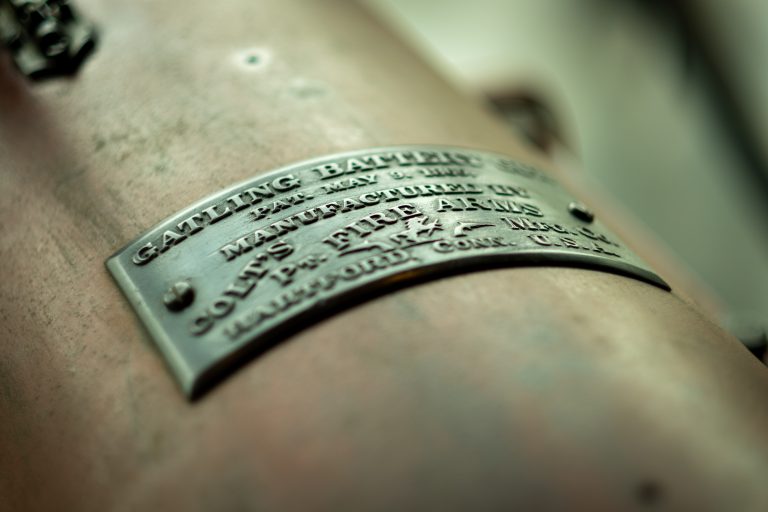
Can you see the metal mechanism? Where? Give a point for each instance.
(751, 331)
(46, 38)
(233, 274)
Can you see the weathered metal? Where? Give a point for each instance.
(515, 388)
(277, 252)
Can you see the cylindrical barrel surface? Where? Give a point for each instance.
(530, 387)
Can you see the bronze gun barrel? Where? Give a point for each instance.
(518, 387)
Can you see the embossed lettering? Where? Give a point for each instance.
(145, 254)
(215, 213)
(191, 225)
(171, 238)
(284, 247)
(364, 226)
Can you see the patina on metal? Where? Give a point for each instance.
(238, 271)
(46, 38)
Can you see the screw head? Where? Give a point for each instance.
(179, 296)
(581, 212)
(53, 41)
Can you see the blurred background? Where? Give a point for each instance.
(663, 104)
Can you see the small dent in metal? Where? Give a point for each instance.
(252, 59)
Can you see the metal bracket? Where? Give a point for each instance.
(46, 38)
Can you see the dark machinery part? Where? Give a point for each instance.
(46, 38)
(701, 58)
(752, 333)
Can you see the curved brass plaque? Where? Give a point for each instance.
(233, 274)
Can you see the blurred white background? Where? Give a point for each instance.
(665, 104)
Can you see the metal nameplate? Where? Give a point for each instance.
(227, 278)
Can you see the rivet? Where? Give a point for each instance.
(581, 212)
(179, 296)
